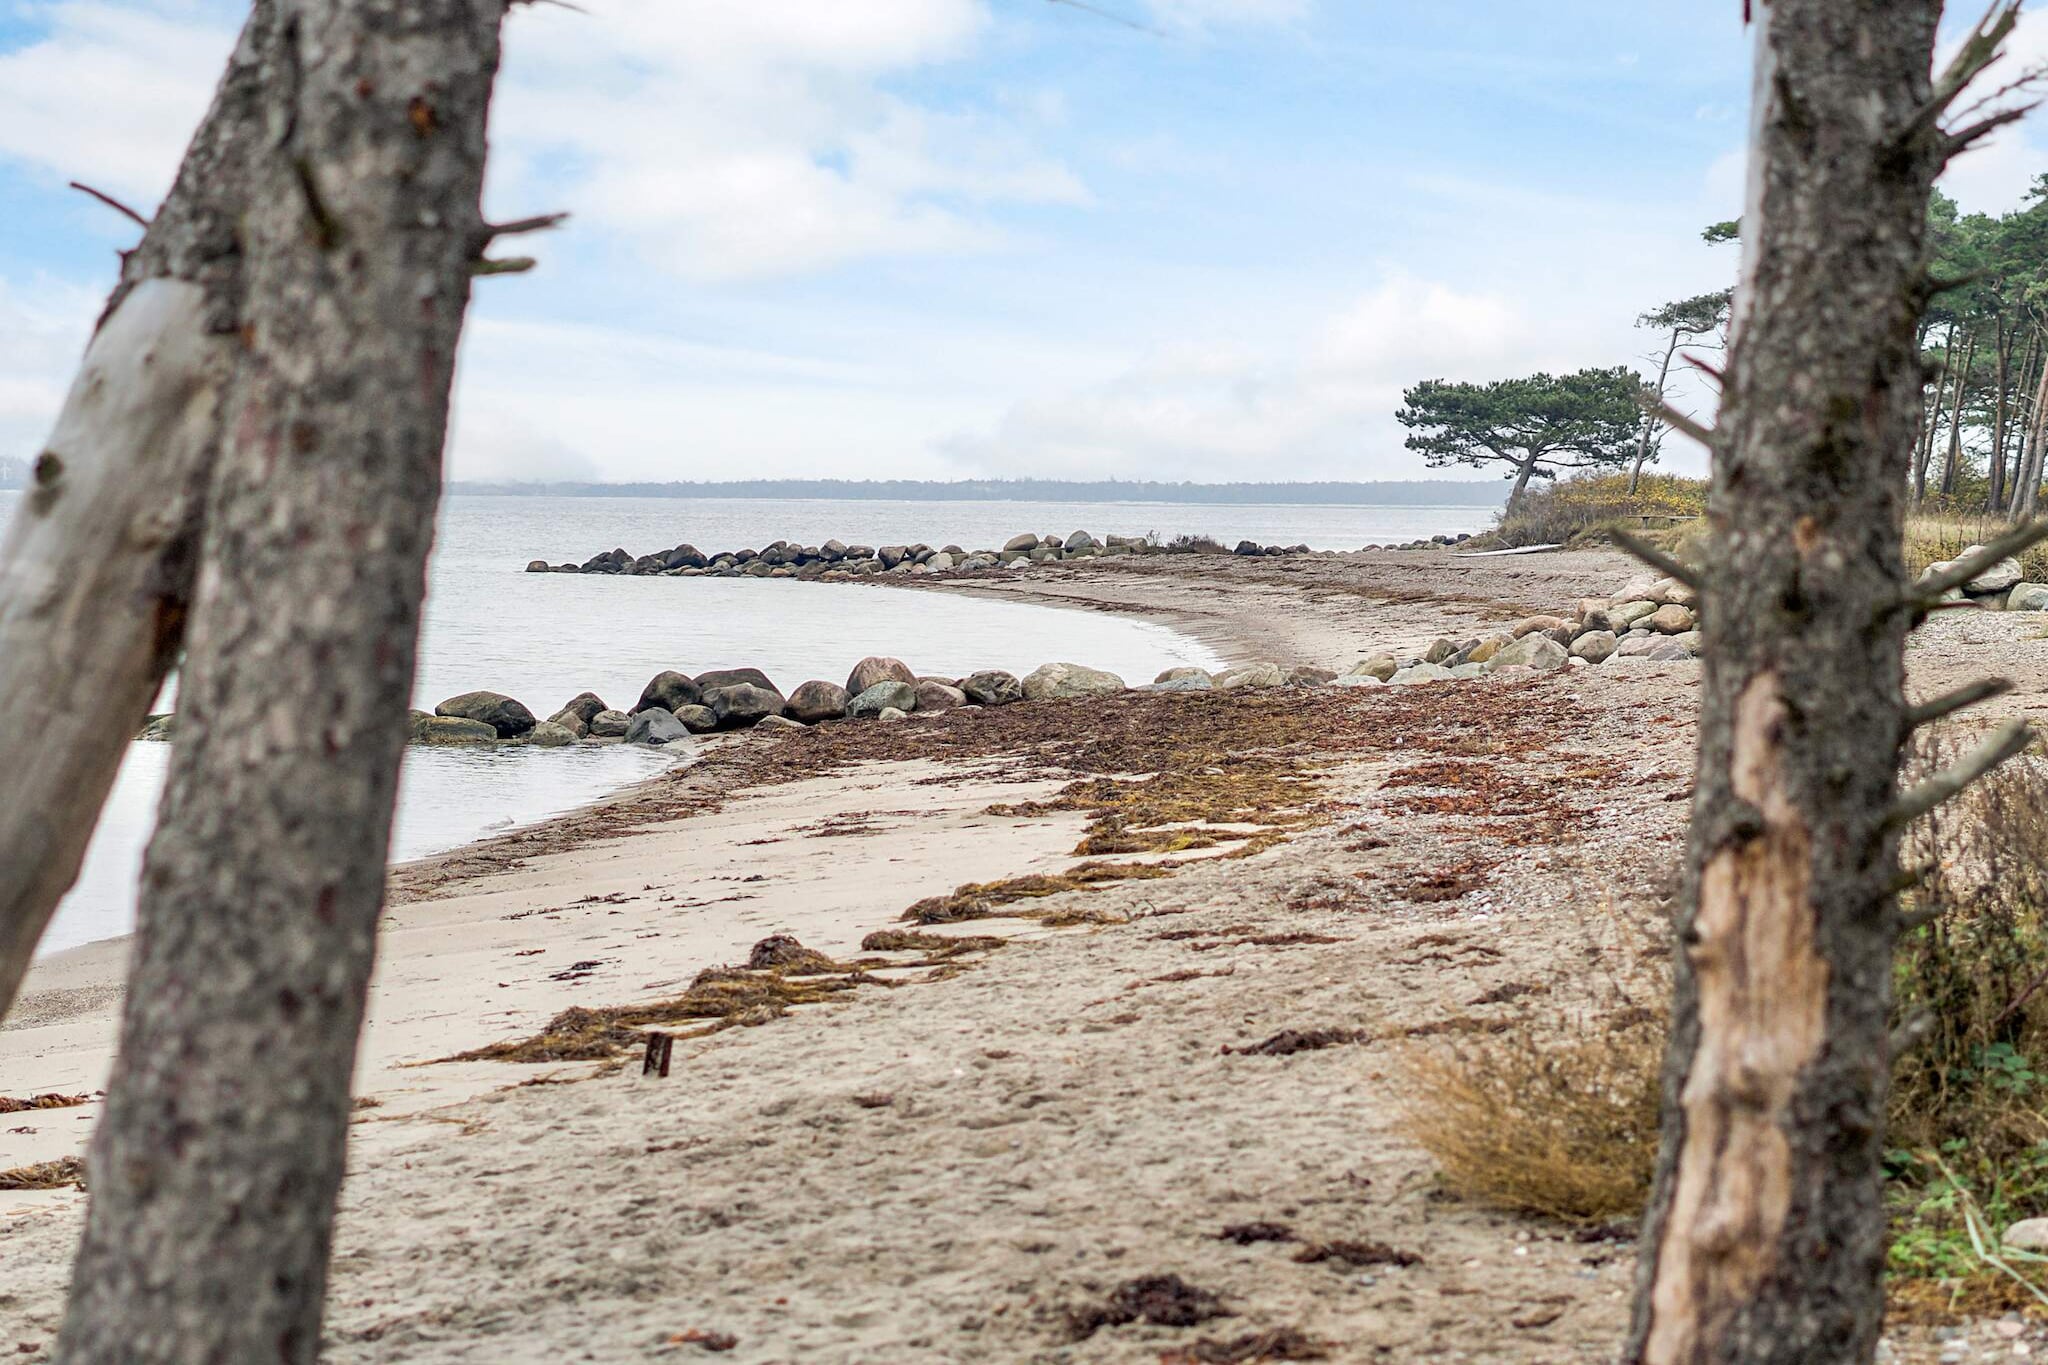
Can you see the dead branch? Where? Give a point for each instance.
(510, 265)
(1983, 48)
(1948, 703)
(2010, 739)
(110, 201)
(1663, 563)
(539, 223)
(1676, 420)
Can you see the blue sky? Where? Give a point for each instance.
(969, 238)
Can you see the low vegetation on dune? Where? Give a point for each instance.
(1556, 1114)
(1581, 510)
(1935, 537)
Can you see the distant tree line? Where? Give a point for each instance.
(1411, 493)
(1984, 340)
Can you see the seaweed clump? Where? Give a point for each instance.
(780, 972)
(979, 900)
(1279, 1343)
(10, 1105)
(1161, 1300)
(45, 1175)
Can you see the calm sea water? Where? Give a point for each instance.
(544, 638)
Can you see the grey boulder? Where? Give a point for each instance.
(1259, 674)
(877, 668)
(872, 701)
(728, 677)
(1378, 666)
(1535, 650)
(992, 687)
(570, 721)
(426, 729)
(656, 726)
(933, 695)
(610, 724)
(495, 709)
(584, 705)
(698, 720)
(668, 690)
(2027, 597)
(741, 704)
(816, 701)
(549, 735)
(1057, 681)
(1595, 646)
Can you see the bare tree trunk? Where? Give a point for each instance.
(1764, 1241)
(1528, 468)
(215, 1169)
(1635, 472)
(1931, 423)
(96, 571)
(1952, 466)
(2027, 494)
(2000, 417)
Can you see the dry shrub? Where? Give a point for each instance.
(1586, 507)
(1968, 1117)
(1555, 1113)
(1935, 537)
(1975, 978)
(1559, 1121)
(45, 1175)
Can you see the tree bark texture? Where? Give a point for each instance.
(1765, 1237)
(215, 1169)
(96, 571)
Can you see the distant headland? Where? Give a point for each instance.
(1393, 493)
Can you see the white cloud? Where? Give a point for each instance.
(43, 330)
(1199, 14)
(111, 94)
(726, 140)
(1995, 175)
(1319, 407)
(741, 141)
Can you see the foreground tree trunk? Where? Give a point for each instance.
(215, 1169)
(1765, 1237)
(96, 572)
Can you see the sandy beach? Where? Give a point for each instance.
(961, 1157)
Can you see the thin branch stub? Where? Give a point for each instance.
(1948, 703)
(1679, 422)
(110, 201)
(2009, 740)
(1914, 919)
(1656, 559)
(510, 265)
(538, 223)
